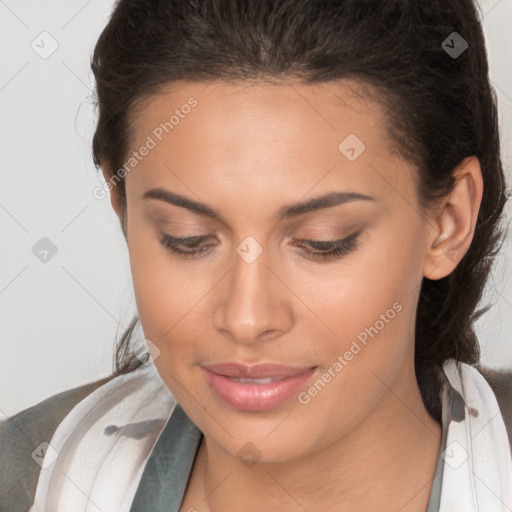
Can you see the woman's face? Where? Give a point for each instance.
(342, 325)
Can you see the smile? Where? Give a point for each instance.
(257, 387)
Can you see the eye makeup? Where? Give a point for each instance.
(192, 247)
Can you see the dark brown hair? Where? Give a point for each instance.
(440, 108)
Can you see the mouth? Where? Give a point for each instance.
(255, 387)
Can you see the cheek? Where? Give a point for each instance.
(158, 289)
(372, 315)
(169, 301)
(372, 288)
(371, 309)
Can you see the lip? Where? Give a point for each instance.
(246, 396)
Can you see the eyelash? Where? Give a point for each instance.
(339, 247)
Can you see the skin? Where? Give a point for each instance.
(247, 151)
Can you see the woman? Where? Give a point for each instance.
(311, 195)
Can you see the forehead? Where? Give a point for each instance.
(264, 136)
(332, 106)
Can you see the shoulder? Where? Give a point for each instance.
(22, 434)
(501, 383)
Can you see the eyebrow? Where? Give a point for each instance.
(317, 203)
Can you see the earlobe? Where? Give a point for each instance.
(456, 221)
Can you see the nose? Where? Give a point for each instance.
(254, 303)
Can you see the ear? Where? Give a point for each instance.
(114, 191)
(455, 224)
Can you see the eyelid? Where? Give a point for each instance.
(205, 237)
(330, 242)
(335, 250)
(185, 239)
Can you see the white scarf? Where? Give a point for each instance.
(99, 464)
(477, 473)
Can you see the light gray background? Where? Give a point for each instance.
(59, 319)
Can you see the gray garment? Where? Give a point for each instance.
(165, 477)
(21, 435)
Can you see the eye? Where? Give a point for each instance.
(332, 249)
(171, 243)
(328, 249)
